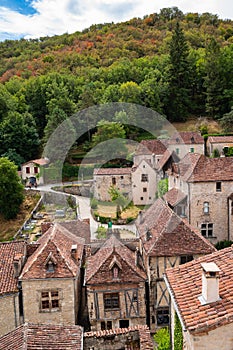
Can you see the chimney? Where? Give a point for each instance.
(74, 251)
(210, 283)
(137, 255)
(17, 263)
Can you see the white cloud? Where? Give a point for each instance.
(60, 16)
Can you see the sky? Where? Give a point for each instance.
(38, 18)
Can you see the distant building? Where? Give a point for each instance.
(184, 142)
(220, 143)
(165, 241)
(201, 293)
(104, 178)
(32, 173)
(115, 286)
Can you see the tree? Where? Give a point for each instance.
(178, 77)
(18, 131)
(115, 133)
(120, 200)
(11, 189)
(226, 121)
(213, 80)
(56, 117)
(162, 187)
(162, 338)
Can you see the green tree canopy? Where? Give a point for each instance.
(11, 189)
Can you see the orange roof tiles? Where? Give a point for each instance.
(174, 196)
(186, 137)
(169, 234)
(150, 147)
(41, 161)
(8, 251)
(220, 139)
(185, 283)
(58, 241)
(41, 336)
(104, 257)
(199, 168)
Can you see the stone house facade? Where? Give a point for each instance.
(208, 185)
(104, 178)
(186, 142)
(51, 278)
(12, 256)
(165, 241)
(115, 286)
(31, 172)
(220, 143)
(201, 293)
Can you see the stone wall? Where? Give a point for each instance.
(9, 313)
(31, 301)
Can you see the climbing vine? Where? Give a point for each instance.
(178, 335)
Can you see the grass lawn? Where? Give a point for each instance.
(108, 210)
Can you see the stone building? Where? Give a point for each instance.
(51, 278)
(150, 150)
(12, 257)
(115, 285)
(201, 294)
(220, 143)
(32, 172)
(166, 241)
(104, 178)
(207, 187)
(186, 142)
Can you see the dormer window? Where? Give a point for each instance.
(192, 139)
(115, 271)
(50, 266)
(115, 268)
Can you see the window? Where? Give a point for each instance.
(50, 266)
(27, 170)
(123, 323)
(105, 325)
(111, 301)
(218, 186)
(35, 170)
(144, 189)
(163, 316)
(115, 272)
(144, 178)
(113, 181)
(141, 198)
(177, 151)
(186, 258)
(207, 230)
(191, 150)
(206, 208)
(122, 177)
(49, 301)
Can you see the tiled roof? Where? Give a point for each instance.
(112, 171)
(56, 242)
(169, 234)
(41, 161)
(220, 139)
(199, 168)
(34, 337)
(112, 249)
(78, 228)
(174, 196)
(8, 251)
(150, 147)
(165, 157)
(185, 284)
(186, 137)
(144, 335)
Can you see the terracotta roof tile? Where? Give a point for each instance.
(8, 251)
(112, 248)
(58, 241)
(174, 196)
(41, 161)
(33, 337)
(220, 139)
(168, 234)
(150, 147)
(78, 228)
(185, 283)
(112, 171)
(186, 137)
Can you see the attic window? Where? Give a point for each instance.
(192, 139)
(115, 272)
(177, 140)
(50, 266)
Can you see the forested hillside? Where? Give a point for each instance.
(177, 64)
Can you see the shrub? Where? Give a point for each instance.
(162, 338)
